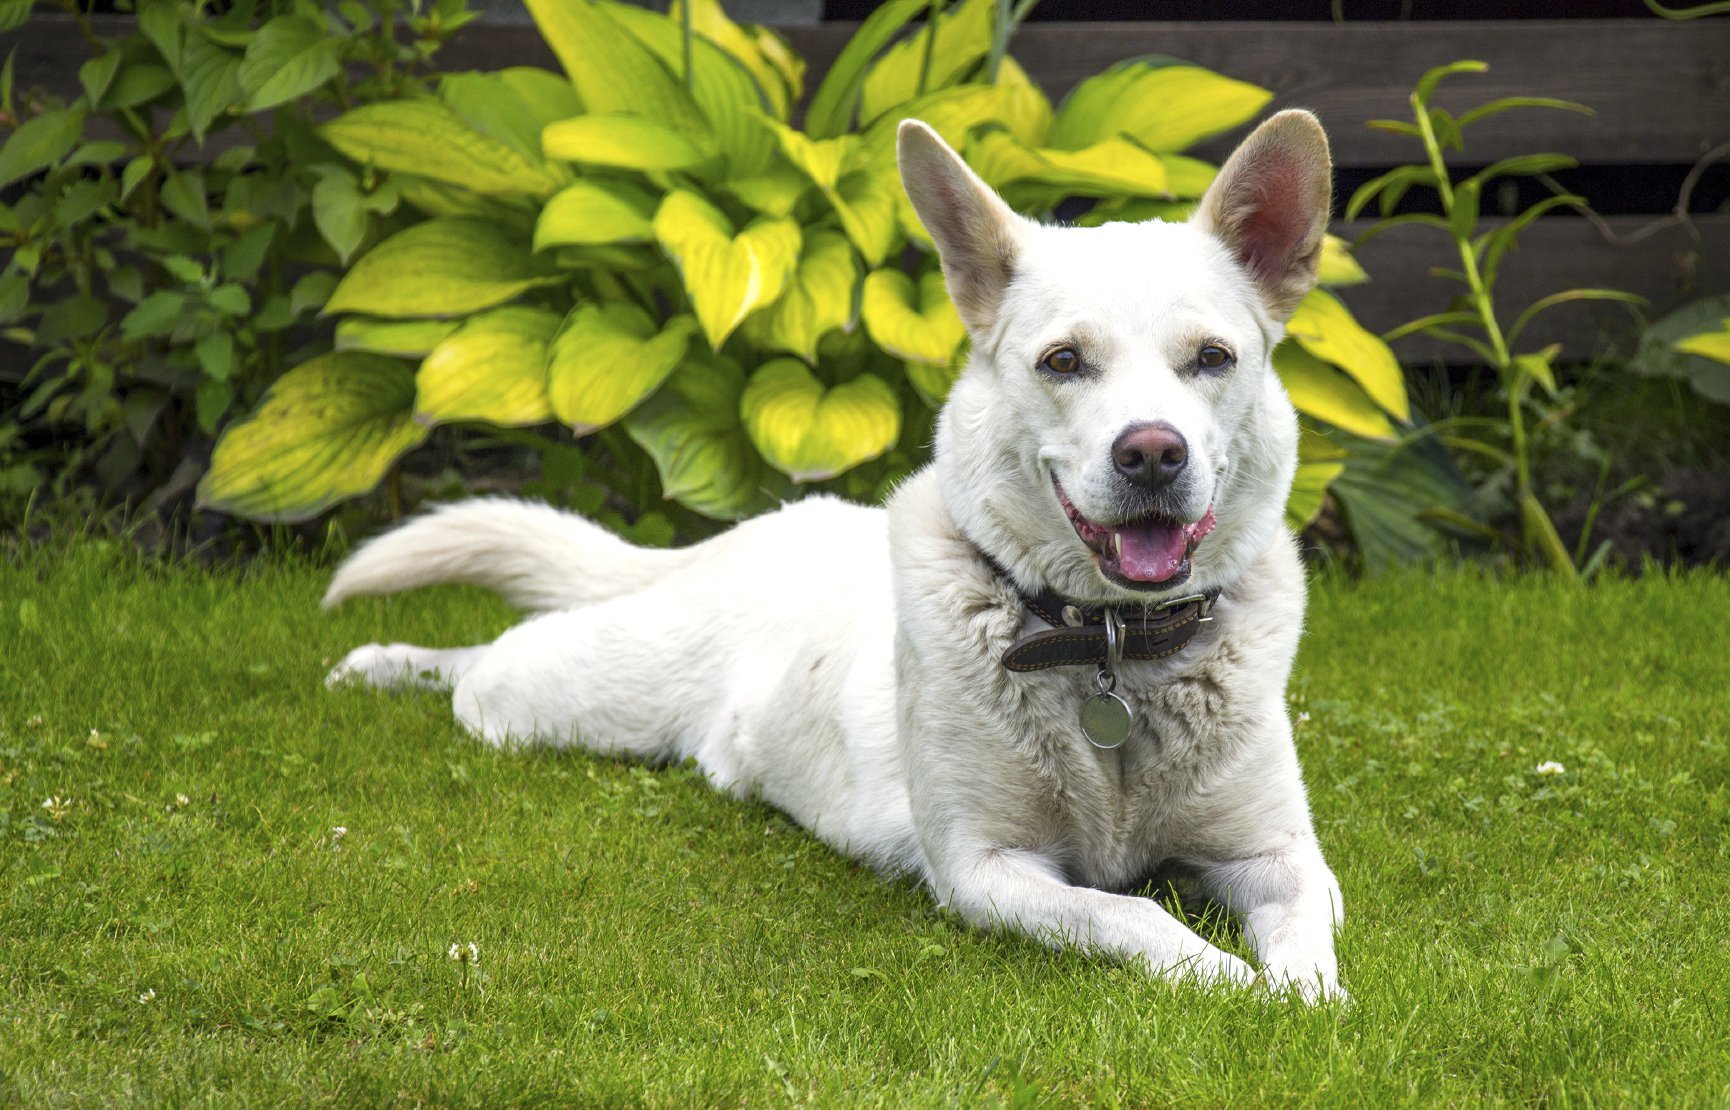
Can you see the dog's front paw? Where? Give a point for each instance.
(1313, 989)
(1212, 967)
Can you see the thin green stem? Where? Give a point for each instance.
(688, 35)
(930, 46)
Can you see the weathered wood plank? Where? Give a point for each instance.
(1665, 262)
(1661, 89)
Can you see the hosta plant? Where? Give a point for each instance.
(648, 260)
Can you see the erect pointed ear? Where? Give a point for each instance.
(978, 236)
(1270, 205)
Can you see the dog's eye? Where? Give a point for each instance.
(1064, 360)
(1212, 357)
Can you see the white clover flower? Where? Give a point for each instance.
(147, 997)
(182, 800)
(1303, 718)
(469, 953)
(1550, 767)
(337, 832)
(57, 806)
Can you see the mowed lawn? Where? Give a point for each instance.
(186, 920)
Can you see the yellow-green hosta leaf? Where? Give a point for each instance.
(629, 142)
(448, 266)
(781, 57)
(514, 104)
(607, 358)
(822, 160)
(709, 20)
(1308, 491)
(1026, 108)
(1163, 104)
(774, 193)
(1712, 344)
(594, 210)
(862, 196)
(819, 299)
(963, 38)
(724, 90)
(404, 338)
(1111, 167)
(1338, 267)
(866, 203)
(933, 383)
(811, 433)
(691, 428)
(326, 431)
(1328, 331)
(1320, 391)
(493, 368)
(952, 113)
(919, 325)
(727, 276)
(611, 70)
(427, 138)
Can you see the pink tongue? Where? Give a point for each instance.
(1152, 551)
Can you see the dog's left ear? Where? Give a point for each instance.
(1270, 206)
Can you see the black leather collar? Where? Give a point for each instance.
(1077, 634)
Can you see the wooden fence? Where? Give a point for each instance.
(1660, 90)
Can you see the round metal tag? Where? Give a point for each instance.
(1105, 720)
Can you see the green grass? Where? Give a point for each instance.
(1511, 937)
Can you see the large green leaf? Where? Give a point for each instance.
(627, 141)
(1388, 492)
(711, 21)
(594, 210)
(1319, 390)
(289, 57)
(832, 107)
(819, 300)
(724, 90)
(610, 69)
(513, 105)
(403, 338)
(863, 196)
(607, 358)
(1110, 167)
(811, 433)
(727, 276)
(326, 431)
(1327, 330)
(210, 78)
(444, 267)
(40, 142)
(1712, 344)
(493, 368)
(429, 139)
(691, 429)
(916, 324)
(1161, 103)
(1308, 491)
(916, 66)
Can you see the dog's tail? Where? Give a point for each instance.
(534, 556)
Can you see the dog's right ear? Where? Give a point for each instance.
(978, 236)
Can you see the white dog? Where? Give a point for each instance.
(1057, 660)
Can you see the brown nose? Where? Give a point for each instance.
(1150, 455)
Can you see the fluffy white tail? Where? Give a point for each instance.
(534, 556)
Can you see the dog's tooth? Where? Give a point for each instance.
(1117, 545)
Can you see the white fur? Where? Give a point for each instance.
(841, 662)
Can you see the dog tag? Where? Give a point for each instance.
(1105, 720)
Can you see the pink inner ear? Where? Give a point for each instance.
(1276, 217)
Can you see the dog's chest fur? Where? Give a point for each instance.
(1111, 816)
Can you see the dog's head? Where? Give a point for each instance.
(1120, 434)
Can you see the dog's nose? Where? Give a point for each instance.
(1150, 455)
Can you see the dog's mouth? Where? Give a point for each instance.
(1144, 552)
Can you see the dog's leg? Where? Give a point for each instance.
(1290, 904)
(393, 666)
(1026, 891)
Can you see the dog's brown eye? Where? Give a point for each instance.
(1212, 358)
(1064, 360)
